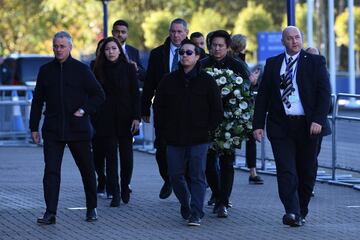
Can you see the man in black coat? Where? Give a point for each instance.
(71, 93)
(162, 60)
(188, 105)
(221, 180)
(295, 95)
(120, 31)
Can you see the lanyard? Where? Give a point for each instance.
(287, 66)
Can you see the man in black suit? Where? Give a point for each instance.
(120, 31)
(295, 92)
(70, 93)
(162, 60)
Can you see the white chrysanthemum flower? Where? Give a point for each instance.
(236, 140)
(232, 101)
(228, 126)
(239, 97)
(225, 91)
(229, 72)
(222, 80)
(226, 115)
(239, 80)
(246, 116)
(243, 105)
(237, 112)
(227, 135)
(237, 92)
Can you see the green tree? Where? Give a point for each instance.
(341, 28)
(17, 23)
(250, 21)
(342, 34)
(207, 20)
(156, 27)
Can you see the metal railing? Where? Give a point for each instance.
(351, 114)
(15, 102)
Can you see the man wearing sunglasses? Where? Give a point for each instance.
(221, 182)
(188, 105)
(162, 60)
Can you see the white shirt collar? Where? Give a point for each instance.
(124, 46)
(293, 56)
(173, 47)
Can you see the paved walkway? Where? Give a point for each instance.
(257, 211)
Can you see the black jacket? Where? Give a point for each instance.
(64, 88)
(122, 104)
(187, 109)
(133, 54)
(157, 68)
(314, 90)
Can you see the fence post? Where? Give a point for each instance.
(333, 125)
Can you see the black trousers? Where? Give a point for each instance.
(250, 152)
(296, 164)
(124, 145)
(53, 154)
(220, 180)
(99, 161)
(160, 145)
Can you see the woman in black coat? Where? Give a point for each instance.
(118, 118)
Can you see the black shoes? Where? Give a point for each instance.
(194, 221)
(293, 220)
(50, 218)
(125, 194)
(255, 180)
(165, 191)
(115, 201)
(47, 219)
(91, 215)
(222, 211)
(185, 212)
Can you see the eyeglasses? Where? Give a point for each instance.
(188, 52)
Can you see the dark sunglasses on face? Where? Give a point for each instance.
(188, 52)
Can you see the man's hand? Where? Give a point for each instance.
(254, 76)
(315, 128)
(79, 113)
(35, 137)
(258, 134)
(135, 126)
(146, 119)
(135, 64)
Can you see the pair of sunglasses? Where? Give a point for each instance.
(187, 52)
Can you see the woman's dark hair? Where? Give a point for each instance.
(188, 41)
(101, 58)
(222, 34)
(99, 44)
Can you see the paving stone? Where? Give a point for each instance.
(256, 214)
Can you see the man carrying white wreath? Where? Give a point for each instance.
(233, 80)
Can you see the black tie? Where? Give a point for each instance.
(288, 82)
(174, 65)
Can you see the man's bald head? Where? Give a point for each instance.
(292, 40)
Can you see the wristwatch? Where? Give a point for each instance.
(81, 111)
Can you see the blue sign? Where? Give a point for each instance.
(269, 45)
